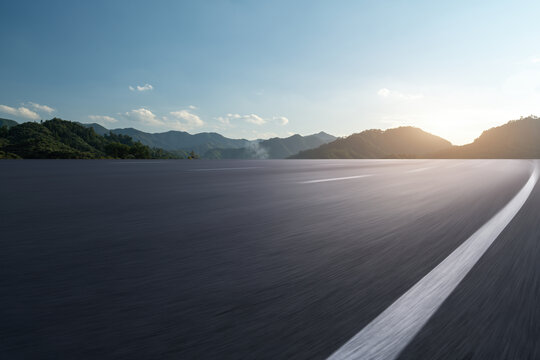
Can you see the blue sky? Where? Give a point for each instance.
(257, 69)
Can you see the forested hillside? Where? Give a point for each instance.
(61, 139)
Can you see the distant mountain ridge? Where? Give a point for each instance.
(274, 148)
(7, 123)
(176, 140)
(401, 142)
(216, 146)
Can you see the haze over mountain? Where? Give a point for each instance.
(402, 142)
(275, 148)
(516, 139)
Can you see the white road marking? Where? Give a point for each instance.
(419, 169)
(221, 169)
(333, 179)
(137, 162)
(388, 334)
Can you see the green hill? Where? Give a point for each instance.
(60, 139)
(402, 142)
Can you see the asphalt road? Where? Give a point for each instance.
(258, 259)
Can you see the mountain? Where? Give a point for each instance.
(324, 137)
(216, 146)
(100, 130)
(519, 139)
(177, 140)
(61, 139)
(58, 138)
(7, 123)
(275, 148)
(402, 142)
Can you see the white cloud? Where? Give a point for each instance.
(185, 120)
(224, 120)
(254, 119)
(281, 120)
(387, 93)
(145, 116)
(102, 118)
(21, 112)
(250, 118)
(44, 108)
(145, 87)
(192, 107)
(384, 92)
(179, 120)
(27, 113)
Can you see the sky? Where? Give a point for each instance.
(259, 69)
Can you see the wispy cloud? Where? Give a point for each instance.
(249, 118)
(192, 107)
(19, 112)
(282, 120)
(40, 107)
(384, 92)
(184, 120)
(387, 93)
(103, 119)
(145, 87)
(254, 119)
(144, 116)
(224, 120)
(178, 120)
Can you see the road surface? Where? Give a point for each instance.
(287, 259)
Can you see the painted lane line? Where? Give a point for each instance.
(222, 169)
(388, 334)
(417, 170)
(137, 162)
(333, 179)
